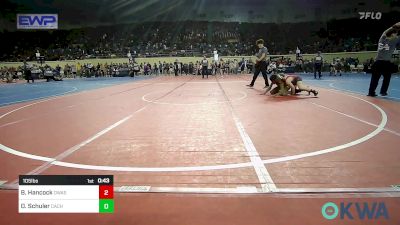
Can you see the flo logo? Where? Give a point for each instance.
(370, 15)
(351, 211)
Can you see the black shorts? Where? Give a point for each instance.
(295, 80)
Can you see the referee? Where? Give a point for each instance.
(382, 65)
(318, 65)
(204, 67)
(261, 63)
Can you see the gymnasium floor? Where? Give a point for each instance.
(185, 134)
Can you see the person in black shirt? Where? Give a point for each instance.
(28, 73)
(318, 65)
(204, 67)
(28, 76)
(176, 67)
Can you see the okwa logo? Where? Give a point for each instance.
(357, 210)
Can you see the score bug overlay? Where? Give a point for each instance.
(66, 194)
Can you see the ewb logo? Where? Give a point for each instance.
(37, 21)
(361, 211)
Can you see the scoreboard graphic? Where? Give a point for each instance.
(66, 194)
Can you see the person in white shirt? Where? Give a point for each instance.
(297, 53)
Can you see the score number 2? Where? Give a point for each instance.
(106, 191)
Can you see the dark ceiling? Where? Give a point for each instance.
(78, 13)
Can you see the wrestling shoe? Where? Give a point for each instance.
(315, 92)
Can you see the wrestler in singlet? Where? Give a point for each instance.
(295, 79)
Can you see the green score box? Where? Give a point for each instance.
(106, 205)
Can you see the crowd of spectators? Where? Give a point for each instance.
(186, 38)
(151, 39)
(220, 67)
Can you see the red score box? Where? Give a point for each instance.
(106, 192)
